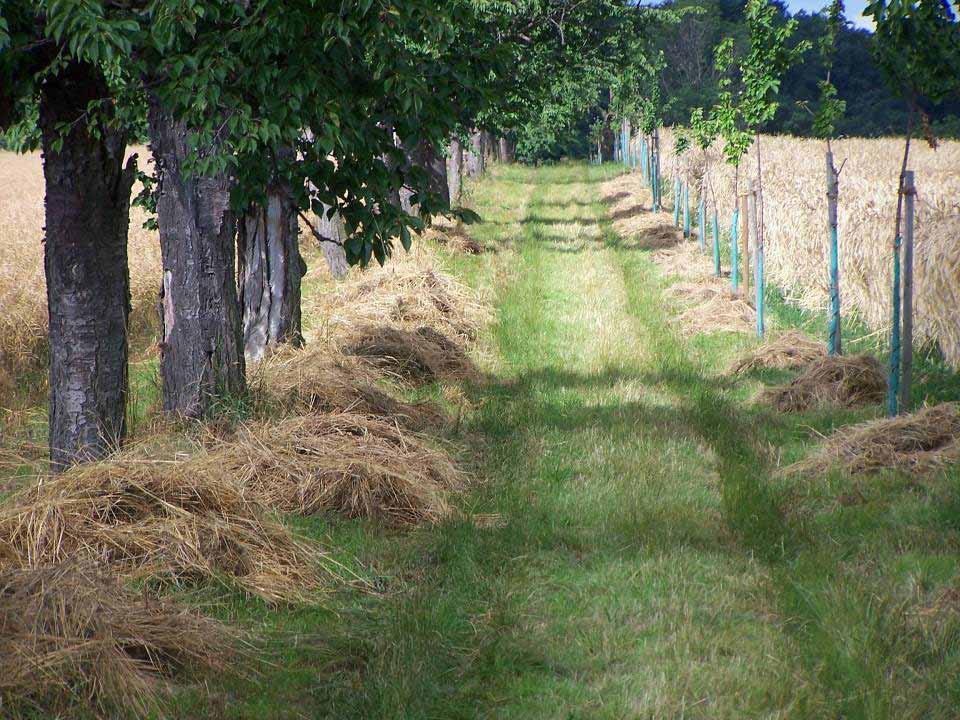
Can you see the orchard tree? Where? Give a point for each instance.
(762, 70)
(918, 50)
(68, 66)
(830, 109)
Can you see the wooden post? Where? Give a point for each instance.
(834, 345)
(744, 238)
(757, 256)
(910, 192)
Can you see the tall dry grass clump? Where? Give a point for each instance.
(23, 321)
(797, 251)
(70, 635)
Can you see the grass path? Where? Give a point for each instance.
(628, 553)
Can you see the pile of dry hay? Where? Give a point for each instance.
(452, 235)
(346, 463)
(685, 261)
(847, 381)
(710, 307)
(321, 379)
(70, 634)
(788, 351)
(160, 520)
(408, 292)
(417, 356)
(919, 443)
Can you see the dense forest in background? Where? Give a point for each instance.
(872, 109)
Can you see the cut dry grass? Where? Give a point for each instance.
(345, 463)
(71, 635)
(453, 236)
(710, 307)
(165, 521)
(321, 379)
(418, 356)
(788, 351)
(919, 443)
(409, 292)
(685, 261)
(844, 381)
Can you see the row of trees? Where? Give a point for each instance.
(259, 113)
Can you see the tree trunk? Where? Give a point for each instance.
(334, 252)
(504, 150)
(455, 170)
(87, 206)
(476, 159)
(270, 268)
(201, 353)
(489, 147)
(425, 156)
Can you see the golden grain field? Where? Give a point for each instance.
(23, 305)
(794, 191)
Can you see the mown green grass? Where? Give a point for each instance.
(627, 550)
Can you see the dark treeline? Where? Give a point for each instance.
(872, 109)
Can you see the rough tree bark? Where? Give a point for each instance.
(201, 352)
(270, 269)
(455, 170)
(425, 156)
(506, 150)
(476, 156)
(489, 147)
(87, 217)
(331, 228)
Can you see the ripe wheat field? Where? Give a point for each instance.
(795, 219)
(23, 308)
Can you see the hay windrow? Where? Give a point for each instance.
(919, 443)
(710, 307)
(70, 634)
(845, 381)
(788, 351)
(345, 463)
(418, 356)
(165, 521)
(453, 237)
(321, 379)
(408, 292)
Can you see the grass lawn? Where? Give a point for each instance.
(627, 550)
